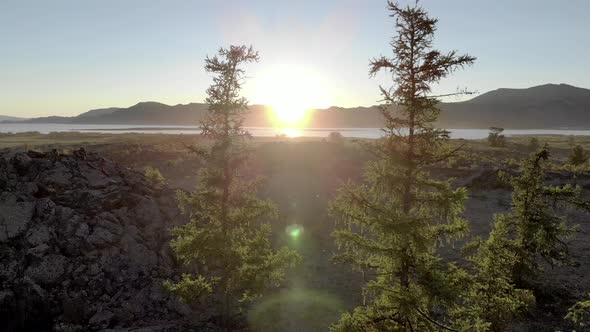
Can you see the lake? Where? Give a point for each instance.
(264, 131)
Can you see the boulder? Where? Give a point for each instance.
(101, 320)
(48, 270)
(38, 235)
(14, 217)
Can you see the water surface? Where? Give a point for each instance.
(262, 131)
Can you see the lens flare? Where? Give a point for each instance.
(294, 231)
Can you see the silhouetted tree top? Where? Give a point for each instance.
(226, 107)
(415, 65)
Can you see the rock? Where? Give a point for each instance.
(78, 236)
(39, 251)
(82, 230)
(27, 188)
(44, 208)
(101, 319)
(48, 271)
(100, 237)
(147, 212)
(21, 162)
(94, 269)
(59, 177)
(38, 235)
(67, 327)
(97, 179)
(139, 254)
(14, 217)
(9, 270)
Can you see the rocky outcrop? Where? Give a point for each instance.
(83, 246)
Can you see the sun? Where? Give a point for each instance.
(291, 92)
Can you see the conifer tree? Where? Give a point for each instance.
(577, 156)
(536, 225)
(394, 221)
(506, 265)
(492, 300)
(495, 137)
(228, 235)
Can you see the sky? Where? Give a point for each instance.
(65, 57)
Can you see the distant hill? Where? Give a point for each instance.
(145, 113)
(540, 107)
(98, 112)
(543, 106)
(10, 118)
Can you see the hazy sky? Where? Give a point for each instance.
(66, 57)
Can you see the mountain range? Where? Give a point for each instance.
(549, 106)
(11, 118)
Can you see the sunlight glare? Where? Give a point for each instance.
(290, 132)
(291, 92)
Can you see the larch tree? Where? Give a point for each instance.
(393, 223)
(491, 300)
(577, 156)
(228, 235)
(537, 226)
(506, 265)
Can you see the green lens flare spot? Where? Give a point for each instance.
(294, 231)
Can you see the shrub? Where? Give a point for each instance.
(579, 313)
(153, 174)
(336, 137)
(577, 156)
(496, 138)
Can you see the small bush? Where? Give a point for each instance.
(512, 163)
(579, 313)
(153, 174)
(577, 156)
(336, 137)
(496, 138)
(174, 162)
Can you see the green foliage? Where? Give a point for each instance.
(189, 289)
(394, 221)
(534, 144)
(174, 162)
(579, 313)
(535, 226)
(229, 230)
(577, 156)
(512, 163)
(495, 137)
(153, 174)
(492, 300)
